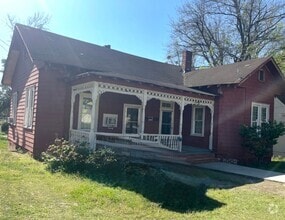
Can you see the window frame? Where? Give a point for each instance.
(259, 113)
(107, 117)
(166, 106)
(81, 97)
(29, 106)
(193, 121)
(14, 101)
(134, 106)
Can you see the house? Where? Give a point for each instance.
(62, 87)
(279, 116)
(245, 93)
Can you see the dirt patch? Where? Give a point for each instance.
(269, 187)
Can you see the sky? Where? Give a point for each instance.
(138, 27)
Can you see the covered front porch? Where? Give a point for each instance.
(112, 114)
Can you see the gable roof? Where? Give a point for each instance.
(227, 74)
(53, 48)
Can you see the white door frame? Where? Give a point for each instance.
(162, 109)
(126, 106)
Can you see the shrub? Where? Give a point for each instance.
(260, 139)
(5, 127)
(63, 156)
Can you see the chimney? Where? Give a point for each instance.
(108, 46)
(186, 61)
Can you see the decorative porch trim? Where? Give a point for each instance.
(98, 88)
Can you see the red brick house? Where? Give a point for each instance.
(63, 87)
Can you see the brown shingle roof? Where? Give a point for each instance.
(53, 48)
(228, 74)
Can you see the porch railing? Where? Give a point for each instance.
(171, 142)
(79, 136)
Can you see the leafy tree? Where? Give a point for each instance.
(260, 139)
(5, 94)
(226, 31)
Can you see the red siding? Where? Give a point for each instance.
(191, 140)
(26, 74)
(233, 108)
(53, 109)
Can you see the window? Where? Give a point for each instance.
(110, 120)
(198, 118)
(29, 106)
(259, 114)
(14, 108)
(261, 75)
(85, 110)
(132, 118)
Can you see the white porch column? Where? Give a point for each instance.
(182, 105)
(94, 119)
(144, 102)
(73, 95)
(211, 127)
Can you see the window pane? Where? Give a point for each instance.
(86, 113)
(199, 114)
(263, 114)
(198, 127)
(254, 113)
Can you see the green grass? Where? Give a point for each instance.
(28, 191)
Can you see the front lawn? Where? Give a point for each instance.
(28, 191)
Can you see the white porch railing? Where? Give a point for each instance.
(170, 142)
(79, 136)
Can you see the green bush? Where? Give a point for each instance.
(5, 127)
(66, 157)
(260, 139)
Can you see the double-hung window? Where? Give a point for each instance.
(85, 111)
(29, 106)
(198, 120)
(259, 114)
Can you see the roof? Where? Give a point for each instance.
(53, 48)
(227, 74)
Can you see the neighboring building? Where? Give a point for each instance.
(245, 95)
(63, 87)
(279, 116)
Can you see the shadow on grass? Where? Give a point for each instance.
(154, 185)
(277, 165)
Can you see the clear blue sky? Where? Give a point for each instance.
(139, 27)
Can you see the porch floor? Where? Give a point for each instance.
(189, 155)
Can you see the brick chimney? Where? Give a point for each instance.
(186, 61)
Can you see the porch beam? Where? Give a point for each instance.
(144, 102)
(182, 105)
(73, 95)
(94, 122)
(211, 127)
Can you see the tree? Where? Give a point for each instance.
(226, 31)
(5, 94)
(37, 20)
(259, 140)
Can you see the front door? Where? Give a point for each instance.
(166, 122)
(132, 115)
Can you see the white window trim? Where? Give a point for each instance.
(81, 96)
(259, 106)
(14, 107)
(126, 106)
(163, 109)
(194, 107)
(29, 107)
(114, 116)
